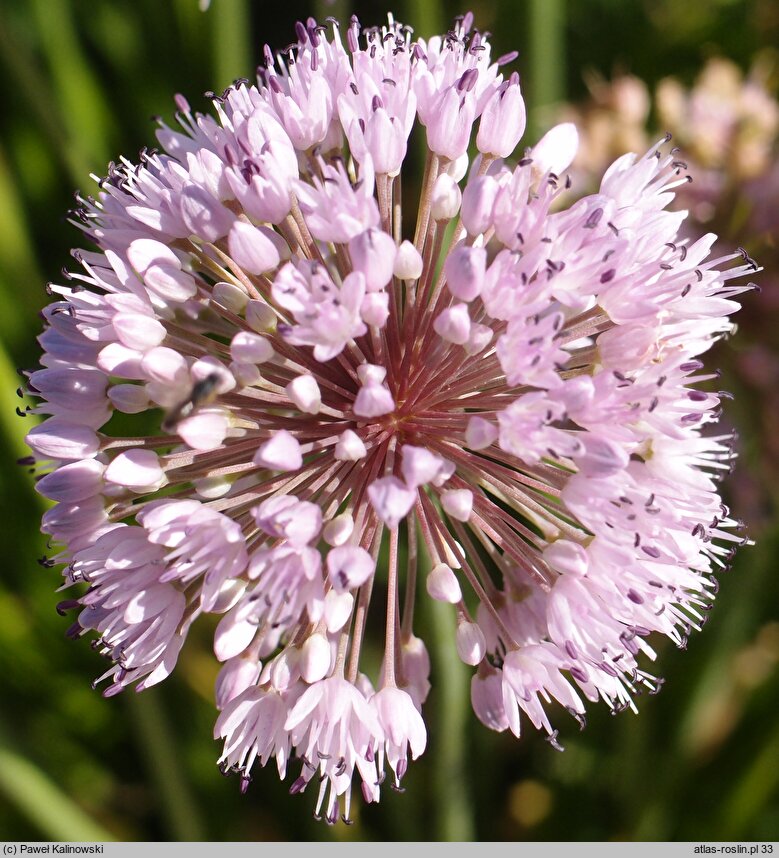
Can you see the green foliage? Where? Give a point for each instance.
(80, 82)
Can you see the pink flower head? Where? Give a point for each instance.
(494, 391)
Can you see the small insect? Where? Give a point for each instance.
(203, 393)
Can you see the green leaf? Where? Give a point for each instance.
(42, 802)
(231, 49)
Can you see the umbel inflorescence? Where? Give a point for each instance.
(269, 375)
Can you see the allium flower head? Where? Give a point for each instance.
(269, 371)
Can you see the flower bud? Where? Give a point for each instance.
(349, 447)
(338, 609)
(555, 151)
(138, 470)
(464, 269)
(304, 392)
(281, 452)
(230, 296)
(503, 120)
(446, 198)
(260, 317)
(251, 248)
(470, 642)
(458, 503)
(391, 499)
(374, 309)
(408, 262)
(373, 400)
(129, 398)
(453, 324)
(338, 530)
(315, 657)
(419, 465)
(373, 255)
(442, 585)
(236, 675)
(487, 699)
(246, 347)
(478, 202)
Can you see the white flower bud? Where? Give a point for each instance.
(480, 433)
(442, 585)
(446, 198)
(260, 317)
(349, 447)
(458, 503)
(408, 262)
(338, 530)
(453, 324)
(305, 393)
(230, 296)
(315, 656)
(470, 642)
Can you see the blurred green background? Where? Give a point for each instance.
(80, 79)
